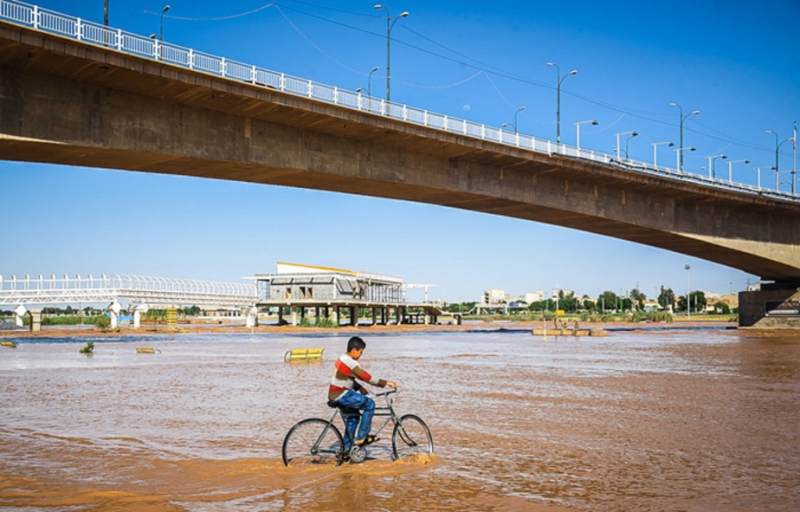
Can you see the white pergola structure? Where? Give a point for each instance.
(141, 292)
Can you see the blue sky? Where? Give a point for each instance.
(736, 62)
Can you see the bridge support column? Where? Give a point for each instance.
(335, 315)
(353, 315)
(374, 316)
(36, 320)
(137, 319)
(294, 315)
(772, 307)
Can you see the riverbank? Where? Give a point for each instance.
(479, 326)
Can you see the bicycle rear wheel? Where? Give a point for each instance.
(411, 438)
(313, 442)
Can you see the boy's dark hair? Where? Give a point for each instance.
(355, 343)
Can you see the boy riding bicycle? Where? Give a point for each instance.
(345, 391)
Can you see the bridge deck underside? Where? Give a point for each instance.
(66, 103)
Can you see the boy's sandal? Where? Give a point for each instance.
(368, 440)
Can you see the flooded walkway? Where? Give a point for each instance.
(659, 421)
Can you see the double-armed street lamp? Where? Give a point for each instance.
(680, 143)
(655, 150)
(679, 156)
(389, 25)
(559, 79)
(730, 168)
(578, 130)
(631, 134)
(777, 159)
(711, 159)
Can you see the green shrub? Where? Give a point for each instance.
(325, 323)
(88, 349)
(103, 322)
(660, 316)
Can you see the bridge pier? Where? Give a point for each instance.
(775, 306)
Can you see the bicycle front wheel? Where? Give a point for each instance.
(411, 438)
(313, 442)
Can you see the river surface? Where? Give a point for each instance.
(674, 421)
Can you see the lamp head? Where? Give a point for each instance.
(520, 109)
(166, 8)
(634, 134)
(692, 148)
(671, 144)
(696, 112)
(550, 64)
(374, 69)
(770, 131)
(747, 161)
(377, 6)
(573, 72)
(359, 90)
(724, 157)
(594, 122)
(674, 105)
(403, 14)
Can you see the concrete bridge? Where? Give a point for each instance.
(98, 103)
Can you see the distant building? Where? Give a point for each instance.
(296, 282)
(494, 296)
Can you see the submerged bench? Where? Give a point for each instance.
(303, 354)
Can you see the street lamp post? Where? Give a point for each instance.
(688, 294)
(759, 174)
(578, 130)
(618, 135)
(730, 168)
(559, 79)
(711, 159)
(389, 25)
(655, 151)
(680, 143)
(679, 156)
(161, 24)
(369, 81)
(520, 109)
(777, 153)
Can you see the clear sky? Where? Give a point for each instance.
(738, 62)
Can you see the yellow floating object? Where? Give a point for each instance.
(9, 344)
(145, 350)
(303, 354)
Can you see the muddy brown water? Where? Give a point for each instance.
(689, 420)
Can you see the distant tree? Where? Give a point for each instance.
(637, 297)
(588, 304)
(666, 298)
(607, 300)
(721, 308)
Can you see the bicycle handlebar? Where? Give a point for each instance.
(385, 393)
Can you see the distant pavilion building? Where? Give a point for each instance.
(333, 293)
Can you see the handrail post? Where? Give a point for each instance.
(119, 39)
(36, 17)
(191, 58)
(310, 89)
(78, 26)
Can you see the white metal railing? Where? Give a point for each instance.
(143, 289)
(122, 41)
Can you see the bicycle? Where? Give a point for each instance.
(315, 441)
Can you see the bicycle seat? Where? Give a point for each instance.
(333, 404)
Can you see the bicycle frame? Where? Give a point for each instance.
(386, 411)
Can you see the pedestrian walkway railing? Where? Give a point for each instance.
(93, 33)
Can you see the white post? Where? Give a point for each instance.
(19, 313)
(137, 319)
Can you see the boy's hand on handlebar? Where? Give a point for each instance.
(391, 384)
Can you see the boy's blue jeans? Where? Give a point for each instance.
(366, 405)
